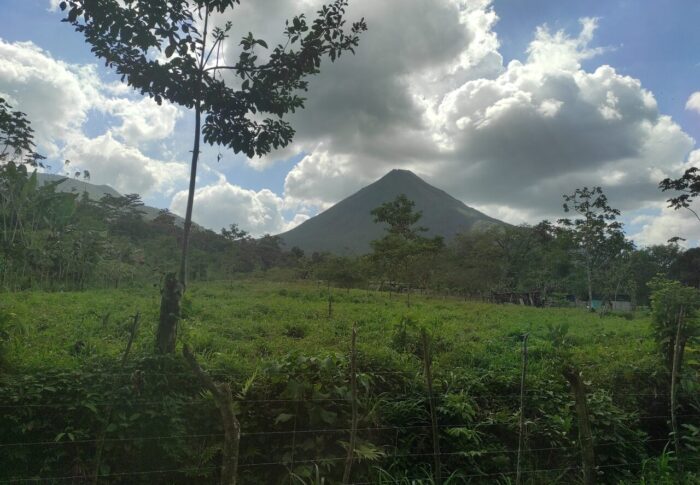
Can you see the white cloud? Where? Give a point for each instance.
(665, 223)
(59, 97)
(55, 95)
(301, 184)
(693, 103)
(143, 120)
(124, 167)
(221, 204)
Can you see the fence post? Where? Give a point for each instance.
(330, 301)
(584, 426)
(353, 388)
(232, 428)
(521, 424)
(427, 364)
(103, 433)
(674, 379)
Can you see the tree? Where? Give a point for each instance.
(16, 137)
(596, 232)
(402, 247)
(688, 184)
(125, 34)
(234, 233)
(400, 217)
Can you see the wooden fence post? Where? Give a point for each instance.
(103, 433)
(353, 388)
(521, 424)
(675, 370)
(330, 301)
(232, 428)
(427, 367)
(584, 426)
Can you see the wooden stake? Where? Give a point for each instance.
(103, 433)
(353, 388)
(427, 364)
(330, 301)
(584, 426)
(521, 426)
(674, 379)
(232, 428)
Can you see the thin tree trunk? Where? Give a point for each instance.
(190, 194)
(584, 426)
(171, 294)
(232, 428)
(427, 367)
(353, 425)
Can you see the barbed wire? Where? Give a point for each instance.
(284, 432)
(126, 403)
(211, 468)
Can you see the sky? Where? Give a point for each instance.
(505, 104)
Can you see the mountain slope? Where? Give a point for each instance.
(348, 226)
(95, 192)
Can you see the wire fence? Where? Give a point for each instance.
(386, 452)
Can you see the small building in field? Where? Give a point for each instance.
(529, 298)
(621, 304)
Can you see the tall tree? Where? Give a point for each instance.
(403, 245)
(596, 232)
(126, 34)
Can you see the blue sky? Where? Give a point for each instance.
(363, 117)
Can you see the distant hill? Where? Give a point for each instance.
(96, 192)
(348, 227)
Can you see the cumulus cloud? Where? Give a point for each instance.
(124, 167)
(665, 223)
(659, 222)
(59, 98)
(55, 95)
(693, 103)
(510, 139)
(142, 120)
(222, 203)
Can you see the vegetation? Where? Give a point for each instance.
(287, 364)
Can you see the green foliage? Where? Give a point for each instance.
(600, 244)
(246, 333)
(671, 301)
(403, 255)
(688, 185)
(16, 137)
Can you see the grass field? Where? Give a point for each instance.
(287, 362)
(240, 324)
